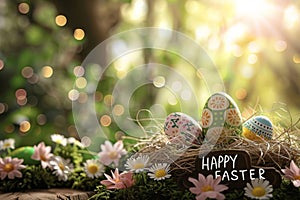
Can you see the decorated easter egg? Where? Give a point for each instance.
(180, 127)
(258, 127)
(221, 118)
(24, 153)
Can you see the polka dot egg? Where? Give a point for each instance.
(258, 127)
(180, 127)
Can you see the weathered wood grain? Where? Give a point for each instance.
(49, 194)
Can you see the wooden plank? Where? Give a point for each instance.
(43, 194)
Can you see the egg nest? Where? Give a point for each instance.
(276, 153)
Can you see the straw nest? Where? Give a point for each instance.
(275, 153)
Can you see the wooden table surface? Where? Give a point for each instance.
(54, 193)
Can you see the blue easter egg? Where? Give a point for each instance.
(261, 126)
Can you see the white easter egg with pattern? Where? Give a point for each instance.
(181, 127)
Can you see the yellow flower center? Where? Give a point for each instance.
(113, 155)
(61, 166)
(138, 166)
(160, 173)
(207, 188)
(43, 158)
(297, 177)
(93, 168)
(8, 167)
(258, 191)
(6, 145)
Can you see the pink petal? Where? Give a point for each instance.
(11, 175)
(210, 180)
(47, 150)
(18, 174)
(293, 167)
(195, 182)
(3, 175)
(109, 178)
(106, 182)
(211, 194)
(296, 183)
(195, 190)
(118, 145)
(120, 185)
(220, 196)
(220, 188)
(201, 179)
(116, 174)
(35, 155)
(105, 159)
(202, 196)
(107, 147)
(116, 161)
(217, 181)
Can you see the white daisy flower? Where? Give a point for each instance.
(72, 140)
(159, 171)
(259, 189)
(93, 168)
(7, 144)
(62, 167)
(137, 164)
(59, 139)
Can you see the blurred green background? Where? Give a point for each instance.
(254, 44)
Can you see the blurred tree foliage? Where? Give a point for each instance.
(42, 43)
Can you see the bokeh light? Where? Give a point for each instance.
(73, 95)
(280, 45)
(159, 81)
(72, 131)
(253, 8)
(83, 97)
(33, 79)
(9, 128)
(118, 110)
(247, 71)
(60, 20)
(78, 71)
(98, 96)
(177, 85)
(47, 71)
(23, 8)
(41, 119)
(25, 126)
(252, 58)
(2, 108)
(241, 94)
(105, 120)
(296, 58)
(108, 100)
(21, 94)
(291, 17)
(172, 100)
(81, 82)
(1, 64)
(119, 135)
(27, 72)
(86, 141)
(78, 34)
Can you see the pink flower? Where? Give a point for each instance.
(292, 173)
(42, 153)
(111, 153)
(10, 167)
(118, 181)
(207, 187)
